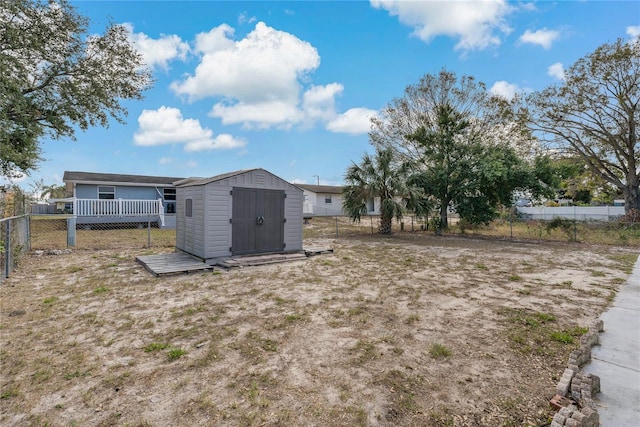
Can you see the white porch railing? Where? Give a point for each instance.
(118, 208)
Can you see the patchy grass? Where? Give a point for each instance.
(386, 330)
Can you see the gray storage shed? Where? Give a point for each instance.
(237, 213)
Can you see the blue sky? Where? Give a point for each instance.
(290, 86)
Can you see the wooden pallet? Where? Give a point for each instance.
(252, 260)
(172, 263)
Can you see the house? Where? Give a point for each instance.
(322, 200)
(99, 198)
(238, 213)
(326, 200)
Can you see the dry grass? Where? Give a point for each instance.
(403, 330)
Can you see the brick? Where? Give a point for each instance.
(562, 388)
(595, 383)
(598, 325)
(571, 423)
(559, 401)
(578, 416)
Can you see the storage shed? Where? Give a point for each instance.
(237, 213)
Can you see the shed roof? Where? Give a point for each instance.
(326, 189)
(111, 178)
(204, 181)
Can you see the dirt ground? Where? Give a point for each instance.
(407, 330)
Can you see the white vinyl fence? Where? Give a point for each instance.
(578, 213)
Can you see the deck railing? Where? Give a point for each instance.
(118, 208)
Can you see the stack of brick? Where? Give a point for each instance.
(580, 388)
(570, 416)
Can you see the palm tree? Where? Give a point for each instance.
(53, 191)
(380, 176)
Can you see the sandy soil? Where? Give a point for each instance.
(385, 331)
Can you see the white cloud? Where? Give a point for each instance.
(224, 141)
(243, 18)
(633, 31)
(165, 160)
(556, 70)
(261, 69)
(261, 81)
(158, 52)
(167, 126)
(354, 121)
(541, 37)
(505, 89)
(318, 102)
(476, 24)
(262, 115)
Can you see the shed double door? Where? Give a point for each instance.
(257, 223)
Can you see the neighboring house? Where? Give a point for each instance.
(99, 198)
(322, 200)
(326, 200)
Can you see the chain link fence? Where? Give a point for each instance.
(613, 232)
(49, 232)
(14, 241)
(58, 232)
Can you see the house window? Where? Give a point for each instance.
(188, 208)
(327, 198)
(169, 194)
(106, 193)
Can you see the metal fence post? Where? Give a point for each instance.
(7, 249)
(71, 232)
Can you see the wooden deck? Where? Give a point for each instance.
(172, 263)
(262, 259)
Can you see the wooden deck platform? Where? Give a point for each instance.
(172, 263)
(262, 259)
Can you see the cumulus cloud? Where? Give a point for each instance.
(633, 31)
(264, 66)
(505, 89)
(260, 81)
(318, 102)
(158, 52)
(167, 126)
(543, 37)
(556, 70)
(476, 25)
(354, 121)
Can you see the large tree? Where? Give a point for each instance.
(465, 151)
(380, 176)
(594, 114)
(55, 77)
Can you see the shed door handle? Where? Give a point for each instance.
(260, 220)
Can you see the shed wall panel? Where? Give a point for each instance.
(217, 226)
